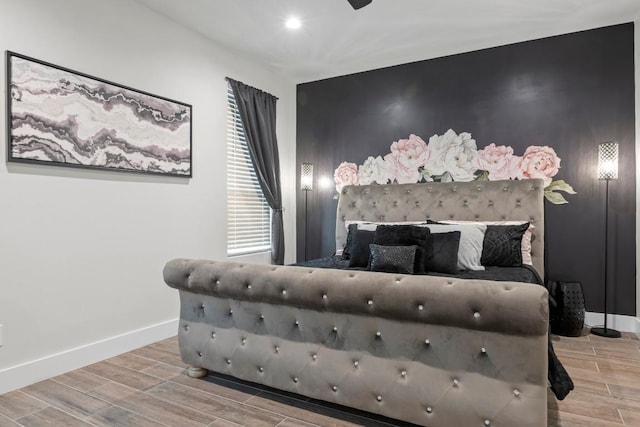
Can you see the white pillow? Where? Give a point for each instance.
(371, 226)
(471, 239)
(527, 237)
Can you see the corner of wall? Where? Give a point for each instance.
(637, 84)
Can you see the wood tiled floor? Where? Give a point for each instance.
(149, 387)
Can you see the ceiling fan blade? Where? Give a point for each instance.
(357, 4)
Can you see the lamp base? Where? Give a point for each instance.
(606, 332)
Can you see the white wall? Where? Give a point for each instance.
(82, 252)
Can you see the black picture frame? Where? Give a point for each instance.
(62, 117)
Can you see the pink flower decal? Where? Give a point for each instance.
(346, 174)
(498, 161)
(539, 162)
(406, 157)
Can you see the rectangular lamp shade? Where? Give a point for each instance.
(608, 160)
(306, 176)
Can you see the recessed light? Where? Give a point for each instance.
(293, 23)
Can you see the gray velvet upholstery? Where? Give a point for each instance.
(430, 350)
(465, 201)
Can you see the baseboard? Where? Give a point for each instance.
(22, 375)
(620, 322)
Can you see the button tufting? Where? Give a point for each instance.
(334, 388)
(261, 369)
(429, 409)
(244, 341)
(284, 292)
(276, 349)
(324, 296)
(230, 312)
(379, 398)
(335, 329)
(378, 334)
(356, 363)
(217, 282)
(186, 327)
(516, 393)
(421, 307)
(476, 315)
(200, 354)
(261, 317)
(456, 383)
(403, 374)
(295, 379)
(483, 350)
(228, 361)
(202, 306)
(248, 286)
(296, 323)
(213, 335)
(370, 302)
(487, 422)
(427, 342)
(314, 356)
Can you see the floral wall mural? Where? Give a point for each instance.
(455, 157)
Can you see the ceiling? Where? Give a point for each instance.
(336, 40)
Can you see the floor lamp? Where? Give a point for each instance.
(306, 185)
(607, 170)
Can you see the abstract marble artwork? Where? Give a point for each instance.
(61, 117)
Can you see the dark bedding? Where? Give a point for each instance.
(561, 383)
(524, 273)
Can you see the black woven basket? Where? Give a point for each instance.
(567, 317)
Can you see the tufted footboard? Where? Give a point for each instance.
(428, 350)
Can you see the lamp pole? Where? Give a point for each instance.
(607, 170)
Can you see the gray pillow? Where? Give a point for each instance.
(471, 240)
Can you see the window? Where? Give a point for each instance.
(248, 213)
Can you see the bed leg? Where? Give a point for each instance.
(195, 372)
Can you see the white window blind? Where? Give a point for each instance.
(248, 214)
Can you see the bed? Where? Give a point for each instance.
(434, 350)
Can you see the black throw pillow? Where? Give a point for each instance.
(393, 259)
(502, 245)
(442, 256)
(405, 235)
(351, 231)
(359, 250)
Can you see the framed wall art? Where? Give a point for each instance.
(57, 116)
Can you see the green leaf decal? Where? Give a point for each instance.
(560, 185)
(555, 198)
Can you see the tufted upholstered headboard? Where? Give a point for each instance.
(465, 201)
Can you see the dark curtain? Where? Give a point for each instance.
(258, 114)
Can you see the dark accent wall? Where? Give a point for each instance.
(570, 92)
